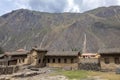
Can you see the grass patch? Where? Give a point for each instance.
(77, 74)
(105, 75)
(82, 74)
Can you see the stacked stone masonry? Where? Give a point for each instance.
(8, 70)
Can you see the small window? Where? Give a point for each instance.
(79, 54)
(117, 61)
(65, 60)
(83, 56)
(43, 60)
(59, 61)
(48, 60)
(39, 60)
(71, 60)
(53, 60)
(19, 60)
(106, 60)
(23, 60)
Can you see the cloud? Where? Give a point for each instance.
(9, 5)
(92, 4)
(55, 6)
(48, 5)
(72, 6)
(21, 3)
(69, 5)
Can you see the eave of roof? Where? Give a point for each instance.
(62, 53)
(17, 53)
(109, 51)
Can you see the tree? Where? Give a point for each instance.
(1, 50)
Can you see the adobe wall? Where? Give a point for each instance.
(40, 59)
(62, 63)
(35, 58)
(22, 61)
(73, 66)
(111, 66)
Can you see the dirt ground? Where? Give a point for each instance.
(53, 74)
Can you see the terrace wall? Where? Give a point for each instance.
(8, 69)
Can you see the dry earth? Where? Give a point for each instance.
(42, 77)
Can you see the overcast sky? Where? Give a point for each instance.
(54, 5)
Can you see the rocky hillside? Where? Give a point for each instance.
(61, 31)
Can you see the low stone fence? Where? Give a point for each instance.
(89, 66)
(8, 69)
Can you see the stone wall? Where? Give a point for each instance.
(3, 62)
(89, 66)
(62, 61)
(8, 69)
(36, 58)
(109, 67)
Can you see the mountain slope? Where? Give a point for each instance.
(61, 31)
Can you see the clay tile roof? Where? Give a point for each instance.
(17, 53)
(21, 50)
(62, 53)
(7, 53)
(109, 51)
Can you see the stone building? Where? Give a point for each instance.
(110, 59)
(36, 57)
(89, 61)
(62, 59)
(10, 62)
(41, 58)
(2, 60)
(14, 58)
